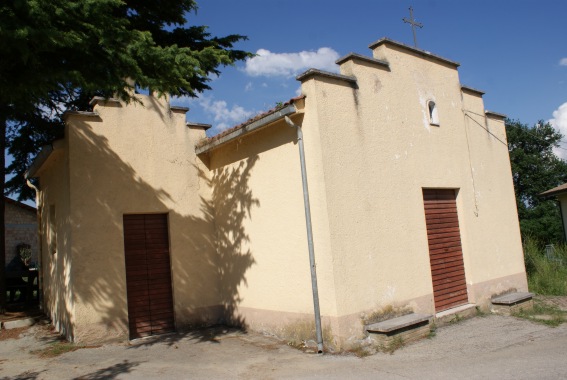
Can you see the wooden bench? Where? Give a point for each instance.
(511, 303)
(407, 327)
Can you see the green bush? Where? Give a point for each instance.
(547, 274)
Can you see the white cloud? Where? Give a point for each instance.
(223, 115)
(563, 61)
(559, 122)
(248, 86)
(269, 64)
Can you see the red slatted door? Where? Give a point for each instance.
(148, 275)
(445, 251)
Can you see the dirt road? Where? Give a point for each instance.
(491, 347)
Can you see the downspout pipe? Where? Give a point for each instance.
(309, 236)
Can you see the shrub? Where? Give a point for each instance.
(547, 274)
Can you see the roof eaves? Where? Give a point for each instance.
(245, 128)
(80, 113)
(198, 125)
(561, 189)
(495, 114)
(325, 74)
(179, 109)
(424, 53)
(472, 89)
(20, 204)
(38, 161)
(363, 58)
(101, 99)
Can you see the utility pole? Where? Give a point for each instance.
(413, 25)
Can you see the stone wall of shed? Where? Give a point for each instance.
(21, 228)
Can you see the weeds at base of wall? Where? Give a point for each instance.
(432, 331)
(361, 351)
(302, 335)
(456, 319)
(393, 346)
(548, 315)
(385, 313)
(368, 347)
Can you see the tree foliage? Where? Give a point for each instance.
(56, 54)
(535, 169)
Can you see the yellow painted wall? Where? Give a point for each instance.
(260, 220)
(56, 271)
(136, 159)
(379, 150)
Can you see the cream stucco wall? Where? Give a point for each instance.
(136, 158)
(378, 152)
(56, 243)
(260, 219)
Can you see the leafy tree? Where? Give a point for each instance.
(57, 54)
(535, 169)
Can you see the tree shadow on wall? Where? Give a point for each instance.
(208, 249)
(232, 203)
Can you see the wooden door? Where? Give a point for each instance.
(445, 251)
(148, 275)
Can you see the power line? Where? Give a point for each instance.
(513, 125)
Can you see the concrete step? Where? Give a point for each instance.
(511, 303)
(22, 322)
(455, 314)
(407, 328)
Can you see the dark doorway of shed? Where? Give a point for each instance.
(148, 275)
(445, 250)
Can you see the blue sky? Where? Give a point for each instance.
(515, 51)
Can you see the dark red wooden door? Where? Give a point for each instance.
(148, 275)
(445, 251)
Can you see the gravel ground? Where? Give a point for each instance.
(487, 347)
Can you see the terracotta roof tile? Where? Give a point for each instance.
(251, 120)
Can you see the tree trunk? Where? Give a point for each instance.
(2, 219)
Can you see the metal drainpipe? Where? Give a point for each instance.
(40, 246)
(309, 237)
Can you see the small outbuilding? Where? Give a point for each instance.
(21, 235)
(560, 192)
(149, 226)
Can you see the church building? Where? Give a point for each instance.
(149, 226)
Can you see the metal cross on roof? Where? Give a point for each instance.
(413, 25)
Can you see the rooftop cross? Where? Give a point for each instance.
(413, 25)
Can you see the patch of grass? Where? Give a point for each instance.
(544, 314)
(547, 274)
(387, 312)
(432, 330)
(456, 319)
(59, 348)
(359, 351)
